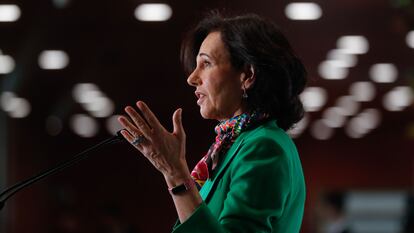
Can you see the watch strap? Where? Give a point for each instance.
(187, 185)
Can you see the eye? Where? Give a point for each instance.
(206, 63)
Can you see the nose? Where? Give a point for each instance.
(193, 79)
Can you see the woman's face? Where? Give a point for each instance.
(218, 85)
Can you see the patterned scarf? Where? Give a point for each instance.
(227, 131)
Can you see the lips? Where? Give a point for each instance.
(200, 97)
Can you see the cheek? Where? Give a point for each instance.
(215, 94)
(223, 93)
(224, 96)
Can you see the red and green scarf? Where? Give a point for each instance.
(227, 131)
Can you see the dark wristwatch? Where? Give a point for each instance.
(184, 187)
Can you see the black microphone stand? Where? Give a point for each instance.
(9, 192)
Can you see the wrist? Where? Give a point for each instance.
(184, 187)
(173, 180)
(177, 176)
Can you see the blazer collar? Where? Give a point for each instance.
(221, 167)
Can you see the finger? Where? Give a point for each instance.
(139, 122)
(131, 128)
(130, 138)
(149, 115)
(178, 123)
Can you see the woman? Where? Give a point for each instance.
(247, 77)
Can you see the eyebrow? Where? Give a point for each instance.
(204, 54)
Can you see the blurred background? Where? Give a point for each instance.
(68, 68)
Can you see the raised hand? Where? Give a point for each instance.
(164, 149)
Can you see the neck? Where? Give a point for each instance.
(238, 112)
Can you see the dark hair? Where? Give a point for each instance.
(252, 40)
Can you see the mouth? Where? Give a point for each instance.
(200, 97)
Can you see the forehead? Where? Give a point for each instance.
(213, 46)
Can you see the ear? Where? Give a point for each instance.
(248, 77)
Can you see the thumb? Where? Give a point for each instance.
(178, 123)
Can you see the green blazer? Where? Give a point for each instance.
(258, 186)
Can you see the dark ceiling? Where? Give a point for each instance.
(131, 60)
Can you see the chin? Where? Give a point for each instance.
(204, 115)
(208, 115)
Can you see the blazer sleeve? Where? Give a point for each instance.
(259, 188)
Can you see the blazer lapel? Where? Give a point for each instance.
(221, 167)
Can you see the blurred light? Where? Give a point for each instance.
(9, 13)
(365, 203)
(299, 127)
(100, 106)
(398, 98)
(19, 108)
(347, 105)
(313, 98)
(53, 59)
(90, 96)
(6, 100)
(83, 91)
(6, 64)
(353, 44)
(61, 3)
(377, 225)
(377, 211)
(15, 106)
(321, 131)
(410, 39)
(93, 100)
(112, 124)
(303, 11)
(83, 125)
(331, 70)
(369, 118)
(341, 58)
(53, 125)
(362, 91)
(333, 117)
(383, 73)
(355, 129)
(153, 12)
(364, 122)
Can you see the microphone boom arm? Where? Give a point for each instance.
(9, 192)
